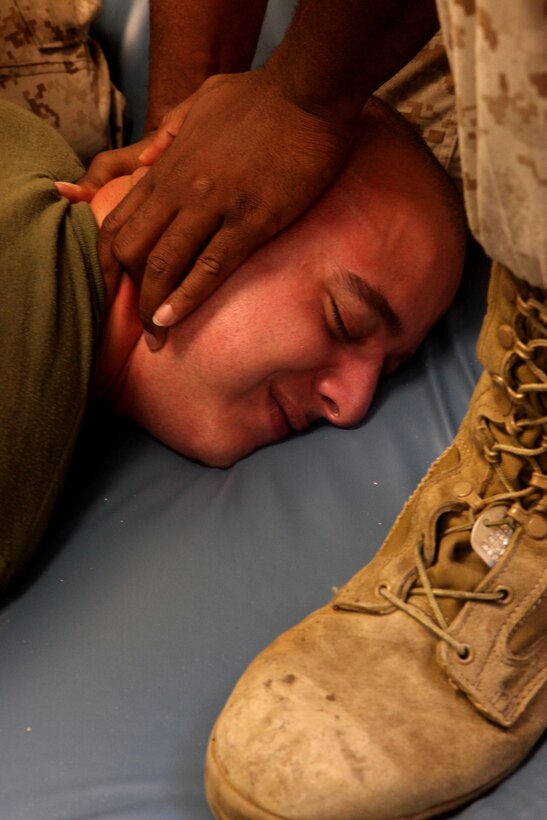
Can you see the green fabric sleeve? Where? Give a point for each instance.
(51, 309)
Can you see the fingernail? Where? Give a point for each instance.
(151, 341)
(164, 316)
(60, 185)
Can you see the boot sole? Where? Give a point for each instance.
(228, 804)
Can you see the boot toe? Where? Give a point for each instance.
(380, 734)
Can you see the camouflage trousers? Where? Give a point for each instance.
(478, 96)
(50, 65)
(498, 56)
(485, 120)
(423, 91)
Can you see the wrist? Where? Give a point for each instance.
(339, 105)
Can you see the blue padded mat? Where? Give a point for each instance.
(161, 579)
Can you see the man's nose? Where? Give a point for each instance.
(344, 393)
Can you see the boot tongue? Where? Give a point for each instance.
(457, 567)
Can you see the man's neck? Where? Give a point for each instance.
(121, 334)
(122, 326)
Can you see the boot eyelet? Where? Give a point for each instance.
(506, 595)
(465, 654)
(383, 585)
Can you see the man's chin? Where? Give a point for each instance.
(220, 461)
(217, 454)
(214, 446)
(221, 453)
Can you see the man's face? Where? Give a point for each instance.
(303, 330)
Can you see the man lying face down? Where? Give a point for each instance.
(302, 331)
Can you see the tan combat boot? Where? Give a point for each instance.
(421, 684)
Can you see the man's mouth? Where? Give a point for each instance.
(288, 415)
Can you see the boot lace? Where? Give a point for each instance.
(524, 436)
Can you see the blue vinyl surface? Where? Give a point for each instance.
(161, 579)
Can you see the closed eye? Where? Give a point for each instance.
(341, 330)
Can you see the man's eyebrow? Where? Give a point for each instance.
(372, 298)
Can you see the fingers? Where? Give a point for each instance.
(128, 232)
(233, 175)
(217, 261)
(167, 263)
(105, 167)
(110, 164)
(166, 133)
(74, 193)
(159, 145)
(137, 222)
(209, 271)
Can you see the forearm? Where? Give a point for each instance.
(190, 41)
(335, 55)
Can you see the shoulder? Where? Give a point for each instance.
(29, 145)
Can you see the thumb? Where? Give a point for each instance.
(170, 126)
(106, 166)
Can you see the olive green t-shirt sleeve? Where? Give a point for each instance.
(51, 309)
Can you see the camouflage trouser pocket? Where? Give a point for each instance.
(49, 65)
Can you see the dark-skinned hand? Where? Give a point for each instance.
(105, 166)
(233, 165)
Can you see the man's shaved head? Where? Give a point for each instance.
(306, 326)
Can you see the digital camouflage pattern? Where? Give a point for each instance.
(498, 54)
(496, 119)
(50, 65)
(423, 91)
(486, 121)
